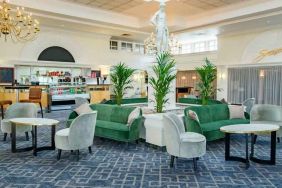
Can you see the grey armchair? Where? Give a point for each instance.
(18, 110)
(249, 103)
(267, 114)
(180, 143)
(78, 136)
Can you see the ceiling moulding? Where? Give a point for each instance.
(233, 14)
(81, 23)
(79, 11)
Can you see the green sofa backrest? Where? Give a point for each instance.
(113, 113)
(210, 113)
(128, 101)
(197, 101)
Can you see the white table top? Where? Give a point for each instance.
(249, 128)
(34, 121)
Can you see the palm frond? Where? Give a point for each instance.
(121, 78)
(161, 82)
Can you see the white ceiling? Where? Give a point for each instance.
(143, 9)
(115, 17)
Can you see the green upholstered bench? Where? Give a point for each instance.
(197, 101)
(129, 101)
(112, 122)
(211, 118)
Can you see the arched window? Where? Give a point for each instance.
(56, 53)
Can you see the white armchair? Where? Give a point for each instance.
(180, 143)
(18, 110)
(80, 135)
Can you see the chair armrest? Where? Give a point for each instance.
(192, 137)
(135, 127)
(192, 125)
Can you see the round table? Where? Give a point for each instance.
(253, 130)
(34, 122)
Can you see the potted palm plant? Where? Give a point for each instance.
(161, 82)
(207, 74)
(121, 78)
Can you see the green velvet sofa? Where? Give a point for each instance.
(112, 122)
(211, 118)
(197, 101)
(128, 101)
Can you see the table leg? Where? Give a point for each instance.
(53, 131)
(273, 148)
(272, 159)
(13, 142)
(228, 157)
(227, 146)
(247, 151)
(34, 129)
(253, 140)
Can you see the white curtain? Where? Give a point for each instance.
(262, 83)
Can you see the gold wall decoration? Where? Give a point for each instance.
(267, 53)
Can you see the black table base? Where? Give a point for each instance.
(251, 157)
(34, 141)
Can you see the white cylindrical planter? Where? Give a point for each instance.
(154, 126)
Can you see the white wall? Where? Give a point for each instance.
(190, 61)
(87, 48)
(242, 49)
(236, 50)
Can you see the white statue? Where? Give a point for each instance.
(162, 34)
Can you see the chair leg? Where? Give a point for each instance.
(255, 138)
(59, 154)
(41, 109)
(26, 136)
(172, 161)
(90, 149)
(77, 155)
(5, 136)
(195, 163)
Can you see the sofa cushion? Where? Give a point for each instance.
(83, 109)
(112, 125)
(236, 111)
(133, 115)
(193, 115)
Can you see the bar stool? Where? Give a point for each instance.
(2, 104)
(34, 97)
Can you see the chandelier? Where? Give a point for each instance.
(151, 44)
(17, 24)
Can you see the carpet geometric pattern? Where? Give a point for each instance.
(114, 164)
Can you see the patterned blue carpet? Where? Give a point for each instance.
(113, 164)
